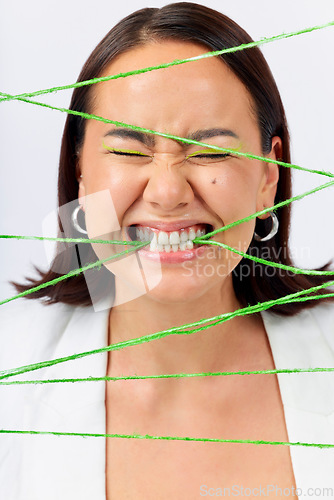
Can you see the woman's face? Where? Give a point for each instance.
(169, 187)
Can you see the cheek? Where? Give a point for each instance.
(121, 182)
(231, 196)
(231, 193)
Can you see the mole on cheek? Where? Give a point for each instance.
(217, 180)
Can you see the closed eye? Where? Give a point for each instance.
(208, 154)
(126, 153)
(207, 157)
(222, 155)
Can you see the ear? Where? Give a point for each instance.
(268, 187)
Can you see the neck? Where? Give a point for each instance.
(213, 349)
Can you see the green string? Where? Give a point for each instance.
(201, 240)
(270, 209)
(171, 438)
(198, 240)
(75, 272)
(89, 116)
(229, 50)
(180, 330)
(296, 297)
(71, 240)
(168, 375)
(296, 270)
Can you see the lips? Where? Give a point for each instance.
(169, 226)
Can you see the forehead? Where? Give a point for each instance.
(177, 99)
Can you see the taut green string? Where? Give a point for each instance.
(75, 272)
(73, 240)
(296, 270)
(296, 297)
(171, 438)
(167, 375)
(204, 237)
(214, 53)
(180, 330)
(89, 116)
(201, 240)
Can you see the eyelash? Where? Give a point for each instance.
(124, 153)
(210, 156)
(222, 155)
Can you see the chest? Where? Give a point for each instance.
(239, 407)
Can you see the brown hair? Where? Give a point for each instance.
(184, 21)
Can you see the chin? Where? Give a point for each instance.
(181, 290)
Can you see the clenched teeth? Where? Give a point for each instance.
(169, 242)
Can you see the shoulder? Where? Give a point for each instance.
(312, 328)
(31, 329)
(23, 311)
(305, 341)
(33, 332)
(323, 317)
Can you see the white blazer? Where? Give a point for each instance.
(44, 467)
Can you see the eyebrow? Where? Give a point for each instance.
(212, 132)
(126, 133)
(149, 139)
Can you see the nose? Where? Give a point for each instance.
(167, 187)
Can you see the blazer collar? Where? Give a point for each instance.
(298, 342)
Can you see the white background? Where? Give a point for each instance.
(44, 44)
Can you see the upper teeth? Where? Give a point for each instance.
(175, 240)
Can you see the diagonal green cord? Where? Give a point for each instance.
(180, 330)
(206, 236)
(168, 375)
(229, 50)
(251, 156)
(170, 438)
(270, 209)
(250, 309)
(296, 270)
(197, 240)
(71, 240)
(75, 272)
(201, 240)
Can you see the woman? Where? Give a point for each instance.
(136, 185)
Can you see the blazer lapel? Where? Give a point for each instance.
(308, 398)
(77, 463)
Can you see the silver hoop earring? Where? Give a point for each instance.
(273, 231)
(74, 219)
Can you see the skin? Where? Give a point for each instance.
(164, 186)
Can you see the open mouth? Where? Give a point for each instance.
(169, 241)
